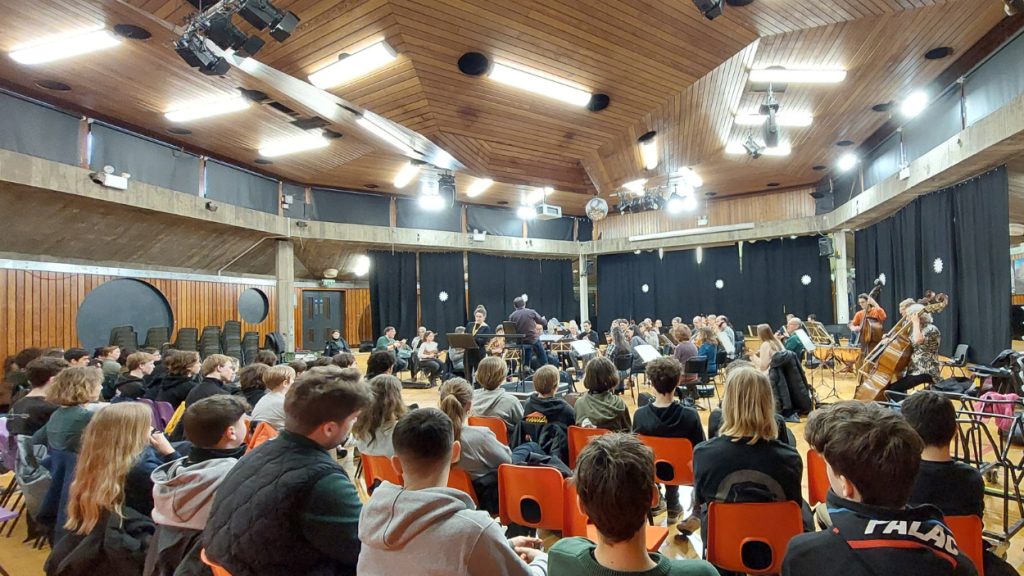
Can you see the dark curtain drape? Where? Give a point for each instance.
(442, 273)
(494, 281)
(952, 241)
(393, 292)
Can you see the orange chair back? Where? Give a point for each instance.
(817, 478)
(578, 438)
(379, 468)
(215, 568)
(734, 527)
(967, 531)
(531, 496)
(261, 434)
(497, 425)
(460, 480)
(248, 428)
(673, 460)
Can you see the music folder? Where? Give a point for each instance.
(805, 340)
(463, 340)
(646, 352)
(583, 347)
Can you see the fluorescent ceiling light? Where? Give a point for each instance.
(406, 174)
(792, 120)
(847, 161)
(691, 177)
(526, 212)
(350, 67)
(67, 46)
(914, 104)
(692, 232)
(386, 136)
(635, 186)
(362, 265)
(538, 85)
(780, 150)
(785, 76)
(293, 145)
(478, 187)
(208, 109)
(649, 152)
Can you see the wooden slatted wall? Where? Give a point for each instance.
(41, 308)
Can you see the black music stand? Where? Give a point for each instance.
(513, 339)
(464, 341)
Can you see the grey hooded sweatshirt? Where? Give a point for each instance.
(434, 531)
(498, 403)
(183, 495)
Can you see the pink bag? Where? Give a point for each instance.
(1003, 406)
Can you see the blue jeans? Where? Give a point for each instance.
(530, 349)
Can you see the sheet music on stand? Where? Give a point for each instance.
(818, 334)
(805, 340)
(583, 347)
(551, 337)
(646, 352)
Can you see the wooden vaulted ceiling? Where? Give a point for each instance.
(664, 66)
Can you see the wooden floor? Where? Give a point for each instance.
(21, 560)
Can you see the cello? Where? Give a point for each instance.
(890, 358)
(871, 330)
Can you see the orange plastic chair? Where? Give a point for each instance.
(733, 527)
(215, 568)
(497, 425)
(576, 522)
(817, 478)
(578, 438)
(460, 480)
(673, 459)
(248, 428)
(967, 531)
(531, 496)
(261, 434)
(379, 467)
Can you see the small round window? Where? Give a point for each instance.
(253, 306)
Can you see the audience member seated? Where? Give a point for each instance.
(747, 462)
(77, 356)
(600, 407)
(73, 389)
(105, 534)
(138, 485)
(183, 490)
(429, 357)
(288, 507)
(132, 384)
(873, 457)
(108, 359)
(493, 400)
(402, 529)
(615, 483)
(378, 363)
(481, 451)
(336, 344)
(266, 357)
(667, 418)
(374, 428)
(270, 408)
(218, 371)
(299, 366)
(251, 382)
(33, 410)
(344, 360)
(15, 378)
(174, 386)
(542, 407)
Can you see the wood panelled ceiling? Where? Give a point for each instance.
(664, 66)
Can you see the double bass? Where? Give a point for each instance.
(871, 330)
(890, 358)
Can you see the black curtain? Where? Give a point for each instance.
(495, 281)
(442, 293)
(393, 292)
(952, 241)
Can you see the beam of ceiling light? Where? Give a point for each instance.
(478, 187)
(649, 150)
(690, 177)
(352, 66)
(914, 104)
(792, 120)
(780, 150)
(526, 212)
(674, 205)
(65, 46)
(847, 161)
(406, 174)
(635, 186)
(386, 136)
(362, 265)
(293, 145)
(430, 196)
(538, 85)
(535, 196)
(787, 76)
(208, 109)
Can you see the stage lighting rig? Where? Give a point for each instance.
(753, 148)
(193, 49)
(215, 23)
(262, 15)
(769, 108)
(710, 9)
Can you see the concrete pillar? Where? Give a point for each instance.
(584, 291)
(285, 310)
(841, 283)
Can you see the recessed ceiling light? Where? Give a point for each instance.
(844, 143)
(794, 120)
(370, 186)
(538, 85)
(780, 150)
(787, 76)
(711, 194)
(502, 202)
(208, 109)
(65, 46)
(772, 184)
(914, 104)
(293, 145)
(847, 161)
(179, 131)
(649, 150)
(598, 102)
(352, 66)
(478, 187)
(263, 161)
(819, 167)
(938, 53)
(883, 107)
(473, 64)
(408, 171)
(53, 85)
(132, 32)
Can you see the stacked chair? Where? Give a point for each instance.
(231, 339)
(124, 337)
(157, 337)
(250, 346)
(209, 343)
(187, 339)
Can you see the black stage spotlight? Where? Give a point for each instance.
(771, 130)
(225, 34)
(753, 148)
(711, 9)
(262, 15)
(446, 188)
(192, 49)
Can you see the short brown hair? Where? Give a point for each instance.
(214, 361)
(277, 376)
(178, 362)
(266, 357)
(75, 385)
(545, 379)
(664, 373)
(104, 351)
(324, 395)
(872, 446)
(251, 377)
(681, 333)
(615, 480)
(137, 359)
(600, 375)
(40, 370)
(491, 372)
(298, 365)
(344, 359)
(206, 420)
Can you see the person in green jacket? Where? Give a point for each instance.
(615, 483)
(387, 343)
(600, 407)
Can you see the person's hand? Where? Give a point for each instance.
(160, 443)
(526, 542)
(528, 554)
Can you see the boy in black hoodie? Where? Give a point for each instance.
(132, 385)
(667, 418)
(542, 407)
(873, 457)
(218, 372)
